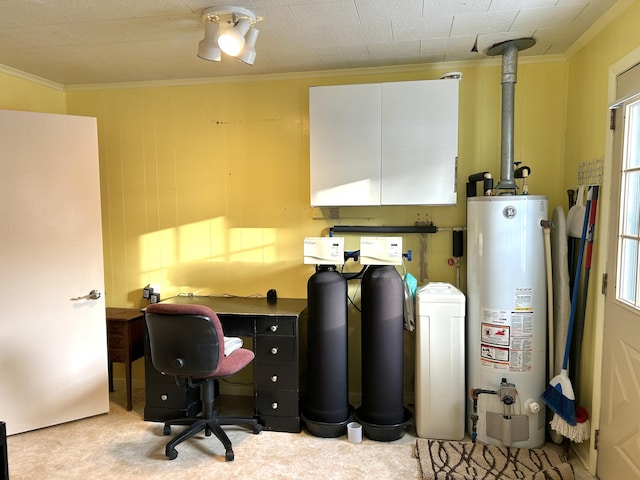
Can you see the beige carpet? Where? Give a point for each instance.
(120, 445)
(442, 460)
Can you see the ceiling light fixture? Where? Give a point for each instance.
(208, 47)
(230, 30)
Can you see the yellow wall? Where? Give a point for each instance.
(205, 188)
(20, 94)
(586, 139)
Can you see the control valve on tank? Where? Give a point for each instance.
(507, 392)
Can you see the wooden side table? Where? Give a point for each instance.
(125, 342)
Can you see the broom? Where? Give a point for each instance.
(582, 429)
(559, 395)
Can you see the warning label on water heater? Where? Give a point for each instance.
(507, 338)
(524, 299)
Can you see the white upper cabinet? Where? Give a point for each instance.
(384, 143)
(345, 144)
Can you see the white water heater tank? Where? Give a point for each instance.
(507, 318)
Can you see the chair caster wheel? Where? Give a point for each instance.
(257, 428)
(229, 456)
(172, 454)
(166, 430)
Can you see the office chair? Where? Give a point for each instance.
(187, 341)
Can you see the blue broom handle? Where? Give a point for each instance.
(576, 281)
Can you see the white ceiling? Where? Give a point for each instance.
(72, 42)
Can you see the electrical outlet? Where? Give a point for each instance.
(150, 290)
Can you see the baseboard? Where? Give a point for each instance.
(135, 382)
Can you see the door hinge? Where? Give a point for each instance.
(596, 439)
(605, 280)
(612, 119)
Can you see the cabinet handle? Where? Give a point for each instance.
(274, 350)
(274, 406)
(274, 328)
(164, 397)
(274, 378)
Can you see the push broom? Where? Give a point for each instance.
(559, 395)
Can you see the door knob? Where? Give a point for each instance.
(94, 295)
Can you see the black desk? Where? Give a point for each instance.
(274, 328)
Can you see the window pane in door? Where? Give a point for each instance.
(632, 159)
(631, 205)
(629, 230)
(628, 270)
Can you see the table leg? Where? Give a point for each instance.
(110, 363)
(128, 380)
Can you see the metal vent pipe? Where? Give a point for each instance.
(509, 51)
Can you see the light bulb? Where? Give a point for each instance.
(231, 39)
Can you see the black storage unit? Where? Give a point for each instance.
(276, 375)
(273, 325)
(4, 461)
(382, 413)
(326, 402)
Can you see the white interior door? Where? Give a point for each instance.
(53, 354)
(619, 439)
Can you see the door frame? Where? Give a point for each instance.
(604, 207)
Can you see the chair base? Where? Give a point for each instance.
(209, 425)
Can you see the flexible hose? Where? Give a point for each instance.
(546, 228)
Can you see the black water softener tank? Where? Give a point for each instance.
(326, 410)
(382, 413)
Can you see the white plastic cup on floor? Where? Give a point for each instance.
(354, 432)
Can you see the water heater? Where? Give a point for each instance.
(506, 319)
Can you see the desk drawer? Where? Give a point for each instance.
(275, 376)
(117, 355)
(115, 328)
(116, 341)
(170, 396)
(276, 326)
(279, 403)
(273, 349)
(281, 424)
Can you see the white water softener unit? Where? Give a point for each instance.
(506, 313)
(440, 388)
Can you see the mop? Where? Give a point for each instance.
(559, 395)
(582, 430)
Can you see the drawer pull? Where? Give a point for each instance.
(274, 406)
(274, 350)
(164, 397)
(274, 328)
(274, 378)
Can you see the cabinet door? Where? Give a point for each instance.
(419, 142)
(345, 144)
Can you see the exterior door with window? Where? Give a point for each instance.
(619, 439)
